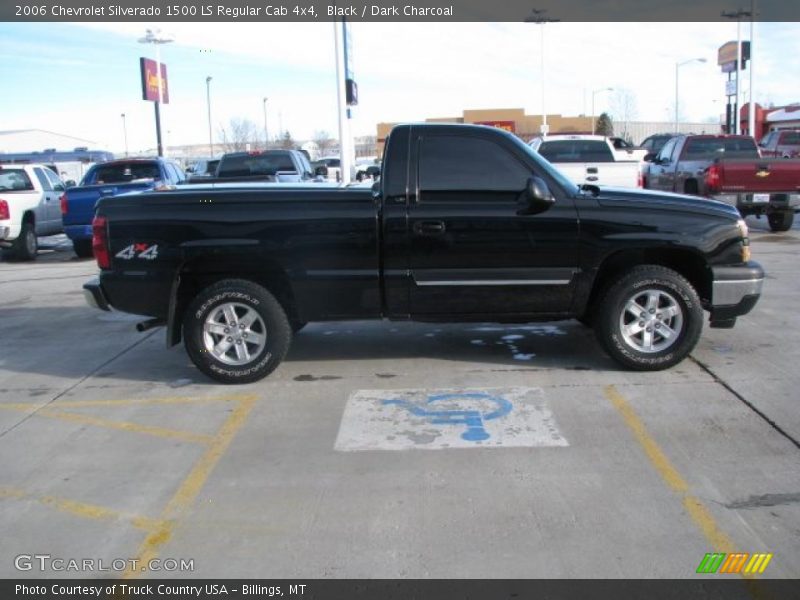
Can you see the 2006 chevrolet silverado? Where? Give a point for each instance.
(466, 224)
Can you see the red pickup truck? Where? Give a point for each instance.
(781, 144)
(729, 168)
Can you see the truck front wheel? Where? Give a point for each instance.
(236, 331)
(781, 221)
(650, 319)
(26, 246)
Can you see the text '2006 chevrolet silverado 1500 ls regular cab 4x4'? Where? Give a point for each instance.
(467, 223)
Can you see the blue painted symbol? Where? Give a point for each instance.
(473, 419)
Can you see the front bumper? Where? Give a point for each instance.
(94, 295)
(734, 292)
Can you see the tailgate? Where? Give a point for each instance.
(81, 200)
(764, 176)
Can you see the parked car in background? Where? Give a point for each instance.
(654, 143)
(29, 207)
(588, 159)
(111, 179)
(729, 168)
(205, 167)
(781, 144)
(627, 151)
(329, 167)
(290, 166)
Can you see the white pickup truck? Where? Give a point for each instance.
(29, 206)
(589, 159)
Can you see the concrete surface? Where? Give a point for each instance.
(116, 448)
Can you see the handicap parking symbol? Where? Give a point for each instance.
(447, 418)
(472, 419)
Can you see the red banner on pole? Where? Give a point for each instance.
(149, 71)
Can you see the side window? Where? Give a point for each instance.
(666, 150)
(468, 164)
(43, 180)
(57, 184)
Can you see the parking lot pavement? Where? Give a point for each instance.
(396, 449)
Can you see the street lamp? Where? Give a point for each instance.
(208, 102)
(537, 17)
(678, 65)
(266, 135)
(154, 36)
(594, 92)
(125, 133)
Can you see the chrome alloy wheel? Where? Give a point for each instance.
(234, 333)
(652, 321)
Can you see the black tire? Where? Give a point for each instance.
(672, 294)
(248, 300)
(690, 187)
(781, 221)
(83, 248)
(26, 246)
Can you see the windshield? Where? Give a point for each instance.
(15, 180)
(124, 172)
(244, 165)
(561, 180)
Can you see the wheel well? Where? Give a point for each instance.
(201, 273)
(687, 263)
(29, 217)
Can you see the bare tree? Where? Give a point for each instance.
(325, 143)
(623, 107)
(240, 134)
(287, 142)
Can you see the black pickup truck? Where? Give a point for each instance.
(466, 224)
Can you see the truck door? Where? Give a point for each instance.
(662, 171)
(48, 212)
(472, 250)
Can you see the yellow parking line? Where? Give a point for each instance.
(190, 487)
(162, 432)
(126, 402)
(701, 516)
(82, 509)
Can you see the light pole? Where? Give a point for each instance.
(266, 134)
(154, 36)
(125, 133)
(537, 17)
(594, 92)
(208, 102)
(678, 65)
(751, 106)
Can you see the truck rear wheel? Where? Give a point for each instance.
(26, 246)
(781, 221)
(236, 331)
(83, 248)
(650, 319)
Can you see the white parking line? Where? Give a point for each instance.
(434, 419)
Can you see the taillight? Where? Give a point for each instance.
(4, 214)
(63, 201)
(100, 242)
(713, 179)
(640, 180)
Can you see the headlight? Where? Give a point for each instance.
(744, 232)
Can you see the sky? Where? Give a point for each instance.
(78, 78)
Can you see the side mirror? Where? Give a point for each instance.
(650, 157)
(321, 171)
(538, 197)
